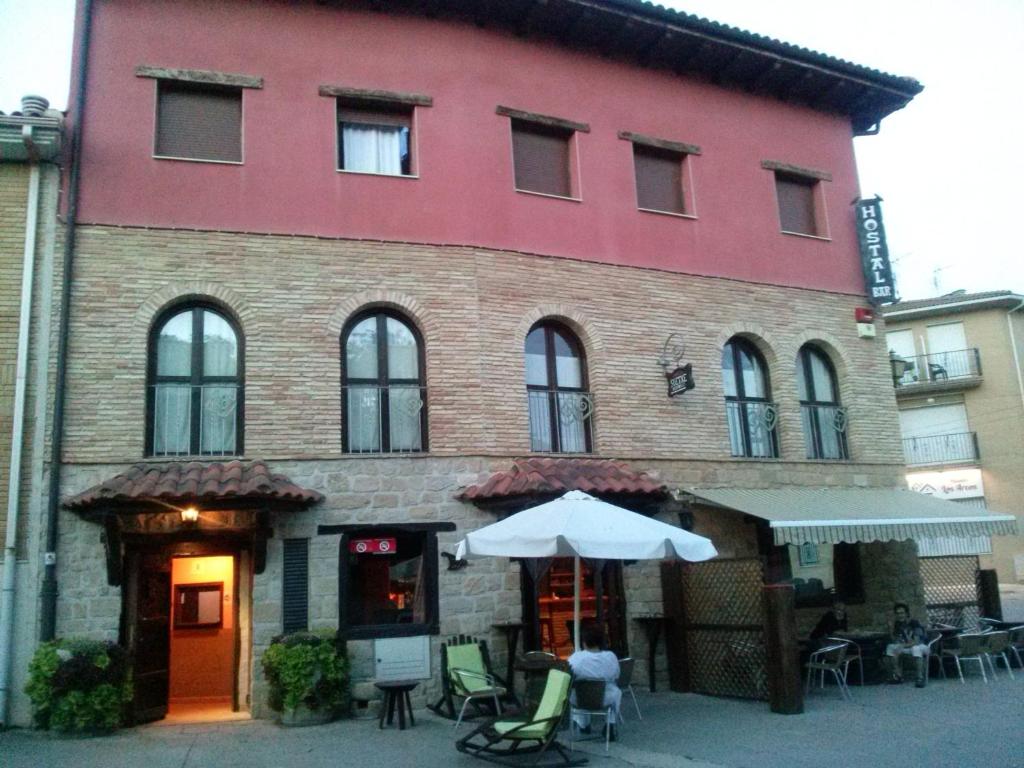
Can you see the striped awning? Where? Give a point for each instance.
(836, 515)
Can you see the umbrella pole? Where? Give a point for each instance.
(576, 603)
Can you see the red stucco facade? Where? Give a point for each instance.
(464, 194)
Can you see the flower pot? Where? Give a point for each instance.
(303, 715)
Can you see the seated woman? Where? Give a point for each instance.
(832, 621)
(591, 663)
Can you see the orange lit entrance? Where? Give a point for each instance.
(186, 624)
(202, 637)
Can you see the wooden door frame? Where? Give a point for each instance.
(174, 546)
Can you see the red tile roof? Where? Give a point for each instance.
(193, 481)
(539, 476)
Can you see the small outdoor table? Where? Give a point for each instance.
(872, 649)
(396, 692)
(652, 628)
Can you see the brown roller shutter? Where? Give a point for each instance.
(659, 179)
(541, 158)
(199, 122)
(374, 116)
(796, 203)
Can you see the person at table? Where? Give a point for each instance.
(908, 637)
(832, 621)
(591, 663)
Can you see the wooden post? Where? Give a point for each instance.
(785, 693)
(988, 595)
(675, 626)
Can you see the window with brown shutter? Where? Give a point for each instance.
(659, 179)
(199, 121)
(541, 157)
(797, 205)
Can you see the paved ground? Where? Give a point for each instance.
(946, 724)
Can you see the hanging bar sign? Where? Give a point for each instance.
(874, 253)
(680, 380)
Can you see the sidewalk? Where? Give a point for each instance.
(946, 724)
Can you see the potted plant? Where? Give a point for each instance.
(308, 674)
(79, 686)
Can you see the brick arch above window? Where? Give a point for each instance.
(576, 321)
(198, 291)
(411, 308)
(831, 347)
(765, 342)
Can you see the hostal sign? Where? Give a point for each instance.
(874, 253)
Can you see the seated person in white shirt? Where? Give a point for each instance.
(592, 663)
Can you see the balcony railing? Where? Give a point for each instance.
(824, 431)
(752, 428)
(384, 419)
(195, 419)
(938, 367)
(941, 449)
(560, 421)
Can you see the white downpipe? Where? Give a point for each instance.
(7, 596)
(1013, 346)
(576, 603)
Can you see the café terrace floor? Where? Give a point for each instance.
(945, 724)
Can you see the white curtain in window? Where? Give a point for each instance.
(219, 411)
(172, 408)
(372, 148)
(404, 408)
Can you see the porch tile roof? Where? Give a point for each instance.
(549, 475)
(180, 482)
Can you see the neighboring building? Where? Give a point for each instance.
(960, 390)
(31, 143)
(341, 296)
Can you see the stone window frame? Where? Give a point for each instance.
(555, 127)
(431, 555)
(199, 79)
(679, 151)
(811, 178)
(396, 107)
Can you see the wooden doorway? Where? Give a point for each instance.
(183, 624)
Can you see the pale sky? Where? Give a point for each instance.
(946, 166)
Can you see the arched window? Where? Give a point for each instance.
(824, 418)
(195, 395)
(749, 410)
(382, 373)
(556, 383)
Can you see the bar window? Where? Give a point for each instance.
(199, 121)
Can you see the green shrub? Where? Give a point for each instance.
(79, 685)
(308, 668)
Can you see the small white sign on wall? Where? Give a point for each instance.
(402, 658)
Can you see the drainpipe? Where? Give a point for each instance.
(48, 592)
(1013, 346)
(17, 434)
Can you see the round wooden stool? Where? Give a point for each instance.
(396, 693)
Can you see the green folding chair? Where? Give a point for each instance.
(503, 740)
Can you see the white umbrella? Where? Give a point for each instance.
(578, 525)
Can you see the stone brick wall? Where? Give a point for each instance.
(13, 198)
(474, 308)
